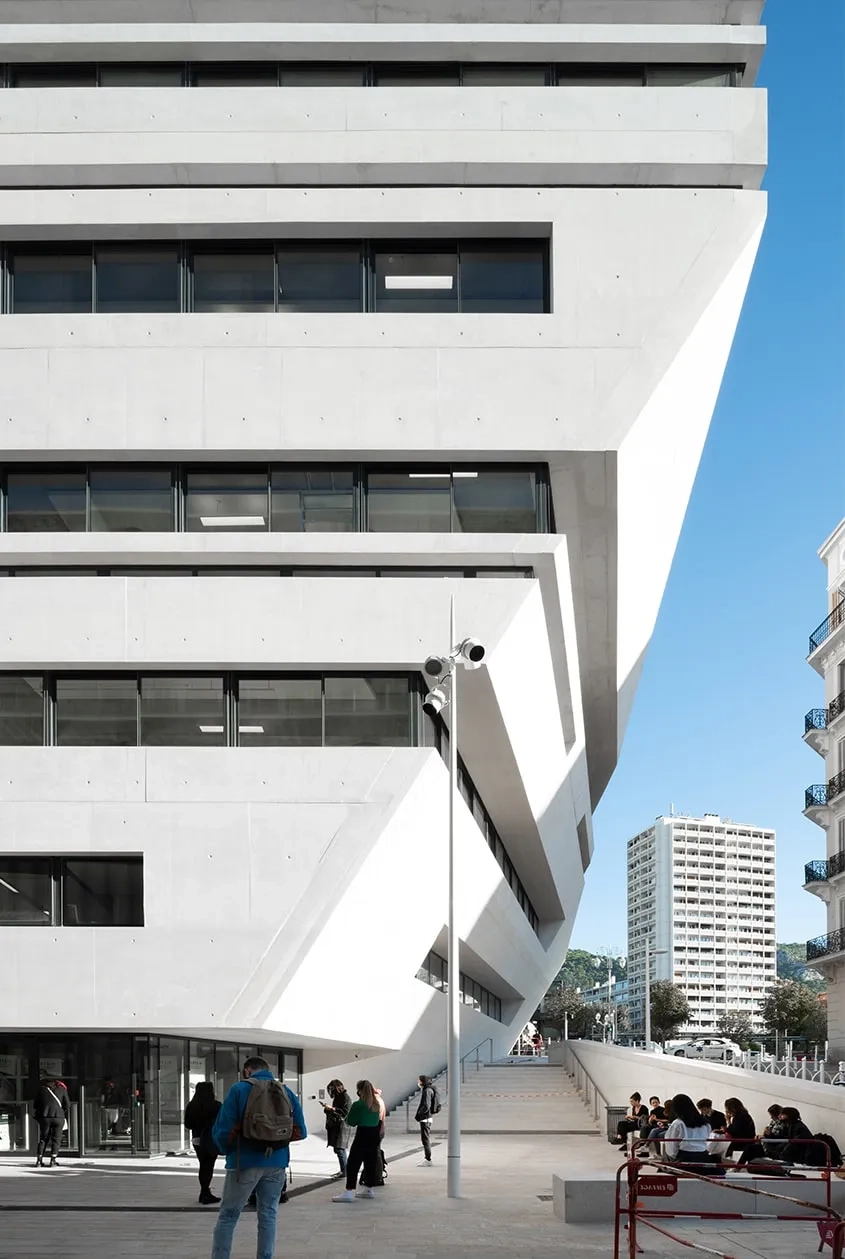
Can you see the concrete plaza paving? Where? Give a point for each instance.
(123, 1210)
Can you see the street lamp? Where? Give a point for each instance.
(597, 961)
(649, 954)
(443, 670)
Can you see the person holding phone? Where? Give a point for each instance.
(337, 1129)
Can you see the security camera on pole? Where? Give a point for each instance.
(443, 670)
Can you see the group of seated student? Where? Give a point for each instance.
(678, 1130)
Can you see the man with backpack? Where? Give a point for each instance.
(429, 1107)
(256, 1124)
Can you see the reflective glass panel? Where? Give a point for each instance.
(45, 502)
(182, 712)
(162, 75)
(368, 712)
(131, 500)
(495, 502)
(26, 892)
(409, 502)
(21, 711)
(45, 283)
(601, 75)
(416, 280)
(312, 500)
(416, 76)
(233, 281)
(69, 74)
(690, 76)
(280, 712)
(142, 279)
(226, 500)
(337, 75)
(97, 712)
(505, 76)
(507, 280)
(320, 278)
(103, 892)
(235, 74)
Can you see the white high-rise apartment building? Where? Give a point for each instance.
(315, 314)
(701, 894)
(824, 802)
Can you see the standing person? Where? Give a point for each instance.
(337, 1129)
(200, 1114)
(365, 1115)
(52, 1111)
(258, 1101)
(427, 1109)
(715, 1118)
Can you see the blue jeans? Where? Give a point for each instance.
(267, 1183)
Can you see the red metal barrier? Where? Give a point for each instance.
(664, 1184)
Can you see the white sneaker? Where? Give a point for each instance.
(346, 1196)
(426, 1163)
(366, 1193)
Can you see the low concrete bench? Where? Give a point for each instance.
(589, 1198)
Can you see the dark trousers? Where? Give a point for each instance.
(50, 1137)
(206, 1170)
(425, 1134)
(340, 1151)
(365, 1149)
(625, 1127)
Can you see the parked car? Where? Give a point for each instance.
(711, 1048)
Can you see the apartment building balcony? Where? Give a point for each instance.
(835, 786)
(816, 805)
(818, 875)
(832, 625)
(827, 949)
(836, 709)
(815, 730)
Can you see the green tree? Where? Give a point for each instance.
(580, 970)
(815, 1024)
(792, 964)
(560, 1003)
(736, 1025)
(669, 1010)
(787, 1007)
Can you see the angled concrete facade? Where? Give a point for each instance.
(276, 875)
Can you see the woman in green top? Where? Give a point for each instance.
(365, 1117)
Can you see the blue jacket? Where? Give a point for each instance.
(232, 1113)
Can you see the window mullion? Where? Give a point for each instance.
(56, 905)
(232, 711)
(323, 708)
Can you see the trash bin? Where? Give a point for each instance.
(614, 1114)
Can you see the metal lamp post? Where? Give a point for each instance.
(649, 954)
(469, 653)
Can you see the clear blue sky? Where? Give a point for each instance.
(718, 718)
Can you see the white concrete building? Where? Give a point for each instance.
(824, 802)
(701, 894)
(314, 315)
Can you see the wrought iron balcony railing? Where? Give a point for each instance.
(816, 719)
(836, 785)
(821, 871)
(837, 707)
(824, 946)
(828, 625)
(815, 795)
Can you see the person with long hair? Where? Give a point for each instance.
(687, 1134)
(337, 1129)
(741, 1129)
(365, 1116)
(200, 1114)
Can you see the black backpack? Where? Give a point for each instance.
(435, 1100)
(816, 1154)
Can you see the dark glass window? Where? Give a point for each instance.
(312, 500)
(416, 280)
(48, 283)
(235, 74)
(233, 281)
(97, 712)
(503, 279)
(164, 74)
(320, 278)
(182, 712)
(26, 892)
(21, 711)
(409, 502)
(495, 502)
(103, 892)
(601, 76)
(368, 712)
(690, 76)
(505, 76)
(226, 500)
(336, 75)
(45, 502)
(416, 76)
(280, 712)
(131, 500)
(68, 74)
(141, 279)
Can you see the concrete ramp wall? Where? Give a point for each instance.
(616, 1073)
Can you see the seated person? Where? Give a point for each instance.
(796, 1133)
(632, 1121)
(687, 1137)
(656, 1122)
(741, 1129)
(715, 1118)
(774, 1133)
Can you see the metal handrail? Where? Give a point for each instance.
(835, 785)
(815, 795)
(584, 1083)
(824, 946)
(815, 872)
(488, 1040)
(831, 622)
(836, 707)
(815, 719)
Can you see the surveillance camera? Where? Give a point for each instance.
(435, 666)
(435, 701)
(472, 652)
